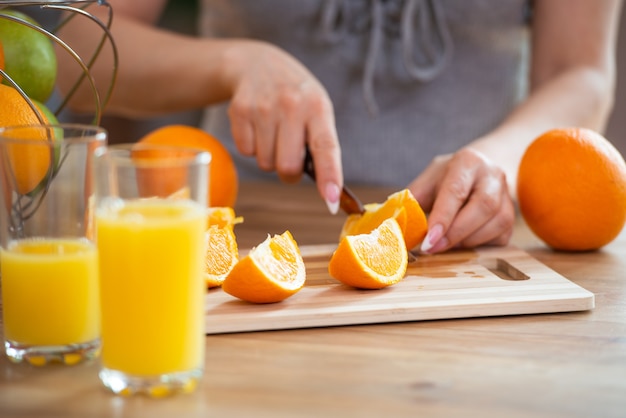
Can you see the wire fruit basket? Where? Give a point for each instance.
(71, 9)
(26, 205)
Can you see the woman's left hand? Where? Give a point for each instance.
(468, 201)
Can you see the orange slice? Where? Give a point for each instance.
(223, 216)
(271, 272)
(221, 256)
(400, 205)
(371, 261)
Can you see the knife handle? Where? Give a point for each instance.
(348, 202)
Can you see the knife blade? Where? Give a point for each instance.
(348, 201)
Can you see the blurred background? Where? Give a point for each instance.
(180, 16)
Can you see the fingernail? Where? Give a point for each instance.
(331, 196)
(434, 235)
(441, 245)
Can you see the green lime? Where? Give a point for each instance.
(29, 56)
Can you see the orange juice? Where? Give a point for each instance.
(152, 286)
(50, 292)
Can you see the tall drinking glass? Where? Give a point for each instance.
(48, 260)
(151, 223)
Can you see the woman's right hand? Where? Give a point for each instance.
(277, 107)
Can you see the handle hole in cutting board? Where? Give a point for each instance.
(504, 270)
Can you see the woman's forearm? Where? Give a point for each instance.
(572, 78)
(579, 97)
(159, 71)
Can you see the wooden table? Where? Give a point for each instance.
(550, 365)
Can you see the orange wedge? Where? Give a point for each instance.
(221, 256)
(271, 272)
(400, 205)
(222, 251)
(223, 216)
(371, 261)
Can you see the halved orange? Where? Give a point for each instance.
(400, 205)
(221, 256)
(371, 261)
(271, 272)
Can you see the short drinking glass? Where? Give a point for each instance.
(48, 260)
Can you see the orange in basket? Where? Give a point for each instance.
(29, 163)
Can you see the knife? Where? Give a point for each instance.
(348, 202)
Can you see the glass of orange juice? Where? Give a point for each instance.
(151, 222)
(48, 260)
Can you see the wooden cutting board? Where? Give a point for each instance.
(459, 284)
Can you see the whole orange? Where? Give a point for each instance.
(166, 180)
(29, 163)
(571, 189)
(224, 183)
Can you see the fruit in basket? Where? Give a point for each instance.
(57, 135)
(223, 187)
(571, 189)
(371, 261)
(271, 272)
(30, 164)
(29, 56)
(49, 117)
(400, 205)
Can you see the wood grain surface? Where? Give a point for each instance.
(459, 284)
(550, 365)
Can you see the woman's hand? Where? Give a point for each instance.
(277, 107)
(468, 200)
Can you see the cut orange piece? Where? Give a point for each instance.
(400, 205)
(271, 272)
(371, 261)
(222, 250)
(221, 256)
(223, 216)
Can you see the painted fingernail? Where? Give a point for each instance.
(441, 245)
(331, 196)
(434, 235)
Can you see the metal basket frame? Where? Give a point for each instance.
(74, 8)
(26, 205)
